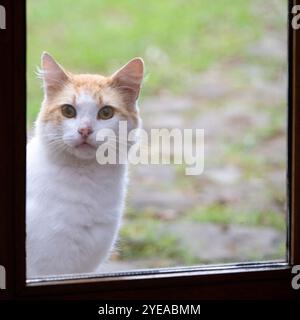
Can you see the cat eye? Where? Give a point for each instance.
(105, 113)
(68, 111)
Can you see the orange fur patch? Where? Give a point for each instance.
(102, 89)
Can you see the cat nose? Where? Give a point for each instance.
(85, 131)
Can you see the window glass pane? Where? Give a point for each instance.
(220, 66)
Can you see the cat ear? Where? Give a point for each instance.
(130, 76)
(52, 74)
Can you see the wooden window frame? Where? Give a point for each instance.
(265, 280)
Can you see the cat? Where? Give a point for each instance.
(74, 204)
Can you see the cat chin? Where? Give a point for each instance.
(87, 153)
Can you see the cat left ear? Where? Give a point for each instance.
(53, 74)
(130, 76)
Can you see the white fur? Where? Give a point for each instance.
(74, 205)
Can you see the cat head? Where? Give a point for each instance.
(77, 106)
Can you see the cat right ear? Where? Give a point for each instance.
(52, 73)
(130, 76)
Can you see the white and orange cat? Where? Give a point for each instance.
(74, 205)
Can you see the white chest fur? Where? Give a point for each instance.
(73, 212)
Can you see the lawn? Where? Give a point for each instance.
(175, 37)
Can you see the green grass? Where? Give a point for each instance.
(146, 237)
(175, 37)
(223, 215)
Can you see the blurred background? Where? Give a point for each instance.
(217, 65)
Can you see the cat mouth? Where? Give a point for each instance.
(84, 145)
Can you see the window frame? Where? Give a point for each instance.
(262, 280)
